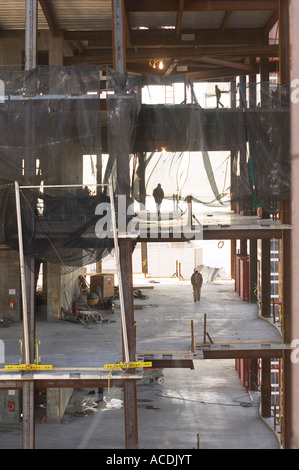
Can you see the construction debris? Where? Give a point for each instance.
(84, 316)
(4, 322)
(137, 294)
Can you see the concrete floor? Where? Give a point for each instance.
(209, 401)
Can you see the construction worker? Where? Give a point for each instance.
(158, 194)
(218, 96)
(196, 281)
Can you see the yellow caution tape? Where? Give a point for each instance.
(30, 367)
(124, 365)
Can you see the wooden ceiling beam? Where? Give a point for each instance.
(201, 5)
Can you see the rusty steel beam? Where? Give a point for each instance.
(148, 38)
(216, 234)
(286, 244)
(104, 56)
(266, 388)
(242, 353)
(172, 364)
(49, 15)
(200, 5)
(125, 245)
(28, 419)
(179, 18)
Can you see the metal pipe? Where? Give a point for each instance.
(192, 336)
(22, 272)
(31, 34)
(117, 260)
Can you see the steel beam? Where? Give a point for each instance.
(265, 279)
(118, 36)
(266, 388)
(45, 5)
(31, 34)
(286, 244)
(28, 422)
(201, 5)
(28, 418)
(125, 245)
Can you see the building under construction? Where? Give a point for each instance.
(101, 101)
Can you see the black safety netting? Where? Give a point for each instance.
(166, 129)
(70, 230)
(217, 148)
(49, 119)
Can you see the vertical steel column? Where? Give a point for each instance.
(252, 270)
(30, 158)
(118, 36)
(233, 156)
(31, 34)
(253, 242)
(286, 244)
(142, 196)
(266, 388)
(265, 255)
(253, 362)
(253, 375)
(28, 421)
(265, 279)
(125, 245)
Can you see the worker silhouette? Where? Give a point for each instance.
(218, 96)
(158, 194)
(196, 281)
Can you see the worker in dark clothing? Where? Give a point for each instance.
(196, 281)
(218, 96)
(158, 194)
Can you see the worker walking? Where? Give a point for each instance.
(196, 281)
(158, 194)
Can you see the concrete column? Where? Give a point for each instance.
(56, 49)
(62, 291)
(10, 286)
(57, 401)
(10, 406)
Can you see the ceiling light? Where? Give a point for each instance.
(156, 62)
